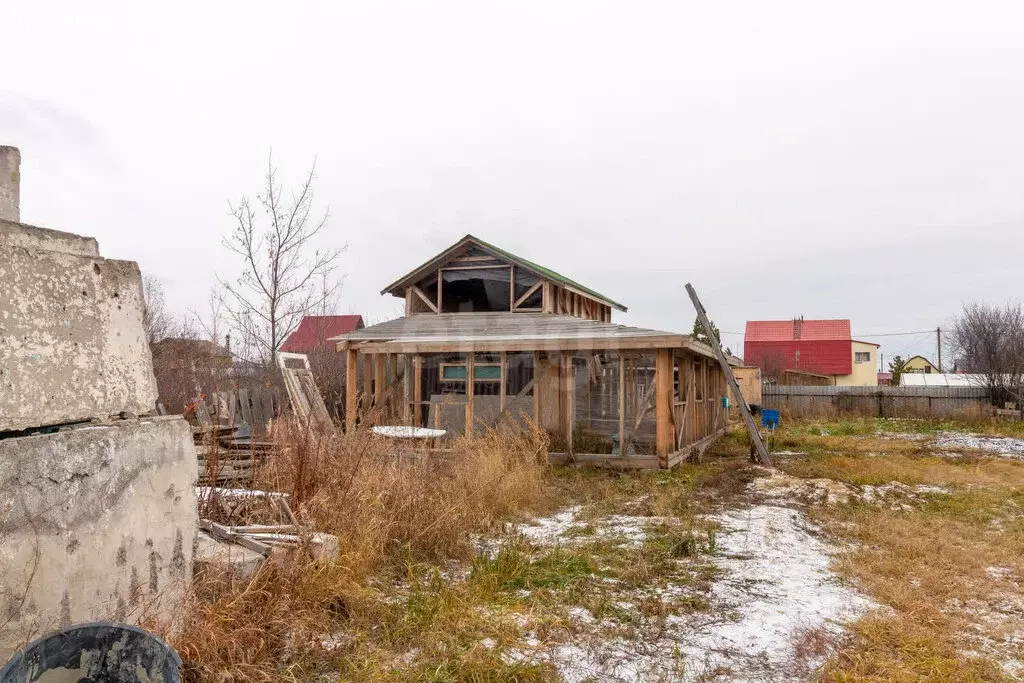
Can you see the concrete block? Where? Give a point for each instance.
(220, 561)
(96, 523)
(72, 341)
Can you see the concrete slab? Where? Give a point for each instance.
(96, 523)
(72, 341)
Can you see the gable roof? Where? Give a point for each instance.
(397, 288)
(797, 330)
(314, 331)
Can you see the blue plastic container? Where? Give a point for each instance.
(769, 418)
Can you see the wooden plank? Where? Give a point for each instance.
(470, 391)
(408, 300)
(522, 392)
(609, 343)
(567, 397)
(665, 430)
(407, 389)
(548, 299)
(417, 391)
(755, 435)
(440, 282)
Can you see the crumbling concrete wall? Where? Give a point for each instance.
(72, 341)
(10, 183)
(96, 523)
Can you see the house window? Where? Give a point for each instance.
(482, 372)
(862, 357)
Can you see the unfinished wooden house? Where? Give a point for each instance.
(489, 336)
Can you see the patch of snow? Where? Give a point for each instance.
(1005, 447)
(550, 530)
(778, 584)
(899, 495)
(999, 572)
(774, 585)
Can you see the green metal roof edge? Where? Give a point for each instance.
(546, 272)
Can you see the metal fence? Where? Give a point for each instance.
(881, 401)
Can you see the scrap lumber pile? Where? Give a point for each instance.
(260, 521)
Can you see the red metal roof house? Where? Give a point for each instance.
(313, 332)
(825, 347)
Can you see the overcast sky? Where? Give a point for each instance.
(844, 160)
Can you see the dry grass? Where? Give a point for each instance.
(946, 566)
(389, 510)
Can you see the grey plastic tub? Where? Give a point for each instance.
(101, 652)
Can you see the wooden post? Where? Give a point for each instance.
(666, 437)
(351, 389)
(417, 391)
(755, 435)
(548, 298)
(379, 377)
(367, 382)
(406, 388)
(622, 402)
(568, 398)
(470, 390)
(409, 296)
(504, 380)
(536, 384)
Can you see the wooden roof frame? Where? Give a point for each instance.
(397, 288)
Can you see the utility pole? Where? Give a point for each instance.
(938, 345)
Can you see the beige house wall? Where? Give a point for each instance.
(865, 374)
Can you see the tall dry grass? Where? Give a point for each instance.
(388, 507)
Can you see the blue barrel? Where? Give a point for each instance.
(769, 418)
(101, 651)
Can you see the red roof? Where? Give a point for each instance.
(797, 330)
(314, 331)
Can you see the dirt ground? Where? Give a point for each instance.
(877, 550)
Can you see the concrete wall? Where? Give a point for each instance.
(96, 523)
(72, 342)
(10, 183)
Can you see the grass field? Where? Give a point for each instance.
(878, 550)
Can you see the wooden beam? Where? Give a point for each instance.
(417, 391)
(548, 299)
(666, 437)
(351, 390)
(504, 380)
(638, 343)
(408, 299)
(424, 298)
(440, 288)
(755, 435)
(528, 294)
(470, 391)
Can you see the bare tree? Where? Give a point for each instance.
(284, 277)
(989, 341)
(157, 320)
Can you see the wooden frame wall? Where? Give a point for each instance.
(682, 422)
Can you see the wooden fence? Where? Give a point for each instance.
(881, 401)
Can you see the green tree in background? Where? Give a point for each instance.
(897, 366)
(701, 335)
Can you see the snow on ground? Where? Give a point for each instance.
(1002, 446)
(774, 585)
(565, 528)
